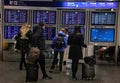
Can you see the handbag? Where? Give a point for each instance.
(33, 55)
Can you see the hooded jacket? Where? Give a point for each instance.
(61, 33)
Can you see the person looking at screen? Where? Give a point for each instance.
(38, 40)
(66, 51)
(76, 42)
(59, 45)
(23, 39)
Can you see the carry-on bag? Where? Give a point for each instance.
(88, 67)
(32, 72)
(88, 71)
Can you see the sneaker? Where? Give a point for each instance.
(51, 70)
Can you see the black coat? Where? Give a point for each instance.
(76, 42)
(38, 39)
(23, 43)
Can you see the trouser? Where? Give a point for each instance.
(55, 60)
(22, 59)
(42, 62)
(74, 67)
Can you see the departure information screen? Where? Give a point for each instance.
(73, 17)
(49, 17)
(49, 33)
(15, 16)
(102, 35)
(70, 30)
(10, 31)
(103, 18)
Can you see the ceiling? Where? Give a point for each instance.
(69, 0)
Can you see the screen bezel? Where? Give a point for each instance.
(10, 27)
(5, 21)
(103, 41)
(73, 11)
(44, 11)
(103, 12)
(80, 28)
(54, 35)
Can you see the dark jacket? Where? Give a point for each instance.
(23, 43)
(61, 33)
(76, 42)
(38, 39)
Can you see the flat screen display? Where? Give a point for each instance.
(70, 30)
(49, 33)
(73, 17)
(15, 16)
(10, 31)
(103, 18)
(102, 35)
(49, 17)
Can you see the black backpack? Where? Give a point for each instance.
(59, 42)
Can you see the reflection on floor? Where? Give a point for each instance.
(9, 73)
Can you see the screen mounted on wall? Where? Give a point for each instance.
(70, 30)
(103, 18)
(49, 33)
(49, 17)
(73, 17)
(102, 35)
(15, 16)
(10, 31)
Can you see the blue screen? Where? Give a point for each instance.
(102, 35)
(70, 30)
(90, 4)
(10, 31)
(15, 16)
(73, 17)
(103, 18)
(49, 33)
(49, 17)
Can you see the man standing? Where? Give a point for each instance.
(39, 41)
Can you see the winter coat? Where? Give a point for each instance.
(38, 39)
(23, 42)
(61, 33)
(76, 42)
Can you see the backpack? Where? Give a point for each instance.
(59, 42)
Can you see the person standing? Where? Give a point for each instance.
(23, 39)
(59, 43)
(76, 42)
(38, 40)
(65, 59)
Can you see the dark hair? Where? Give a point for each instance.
(66, 29)
(41, 24)
(77, 29)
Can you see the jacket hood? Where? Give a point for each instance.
(61, 33)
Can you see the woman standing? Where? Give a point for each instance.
(23, 39)
(76, 42)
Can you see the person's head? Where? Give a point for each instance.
(42, 24)
(64, 29)
(25, 28)
(77, 29)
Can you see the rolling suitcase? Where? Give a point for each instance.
(88, 67)
(88, 71)
(32, 72)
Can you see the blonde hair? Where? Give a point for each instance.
(24, 29)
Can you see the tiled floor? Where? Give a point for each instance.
(9, 73)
